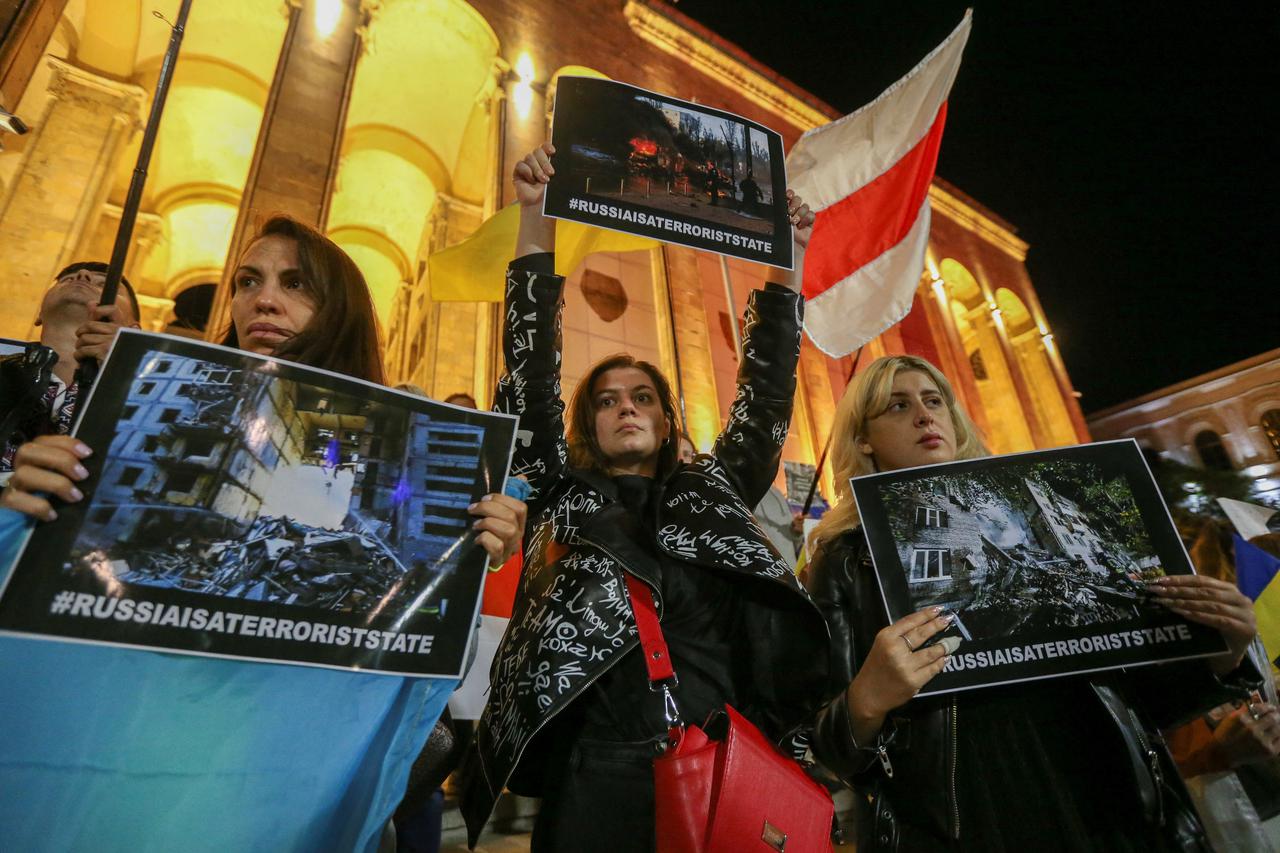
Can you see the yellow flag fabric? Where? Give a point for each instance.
(475, 269)
(1266, 609)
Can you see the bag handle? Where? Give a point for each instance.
(657, 657)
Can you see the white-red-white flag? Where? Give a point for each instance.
(867, 177)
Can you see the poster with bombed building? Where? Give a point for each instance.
(1042, 557)
(632, 160)
(240, 506)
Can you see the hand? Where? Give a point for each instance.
(1251, 733)
(1218, 604)
(896, 668)
(50, 464)
(802, 219)
(94, 338)
(500, 526)
(797, 524)
(532, 174)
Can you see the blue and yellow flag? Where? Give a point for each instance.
(1256, 575)
(475, 269)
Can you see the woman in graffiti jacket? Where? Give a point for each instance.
(1072, 763)
(571, 717)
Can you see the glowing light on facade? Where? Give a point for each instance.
(522, 94)
(328, 13)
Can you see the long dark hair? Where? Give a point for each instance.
(584, 448)
(343, 333)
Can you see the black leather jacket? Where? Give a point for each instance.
(914, 755)
(572, 618)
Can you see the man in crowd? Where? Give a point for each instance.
(37, 387)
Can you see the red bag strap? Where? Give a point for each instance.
(657, 658)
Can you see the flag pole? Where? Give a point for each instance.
(87, 371)
(817, 472)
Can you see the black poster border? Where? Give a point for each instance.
(556, 199)
(27, 591)
(1051, 660)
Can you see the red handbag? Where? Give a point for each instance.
(724, 788)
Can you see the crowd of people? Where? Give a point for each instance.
(616, 489)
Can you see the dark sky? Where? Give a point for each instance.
(1131, 144)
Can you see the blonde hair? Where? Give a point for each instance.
(867, 396)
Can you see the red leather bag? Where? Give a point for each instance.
(724, 788)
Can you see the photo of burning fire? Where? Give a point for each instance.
(662, 156)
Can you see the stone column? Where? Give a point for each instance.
(27, 29)
(959, 371)
(66, 171)
(296, 158)
(1039, 434)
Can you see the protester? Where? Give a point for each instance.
(269, 756)
(1073, 763)
(687, 449)
(781, 524)
(571, 716)
(37, 387)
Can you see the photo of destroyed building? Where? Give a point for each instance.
(1035, 545)
(239, 483)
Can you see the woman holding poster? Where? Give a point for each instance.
(571, 716)
(1073, 763)
(170, 751)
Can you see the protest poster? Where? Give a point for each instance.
(800, 477)
(636, 161)
(1042, 557)
(247, 507)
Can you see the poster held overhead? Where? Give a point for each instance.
(246, 507)
(1043, 557)
(636, 161)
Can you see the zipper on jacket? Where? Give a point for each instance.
(1153, 759)
(882, 753)
(955, 752)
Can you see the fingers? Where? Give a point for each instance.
(921, 634)
(912, 621)
(492, 546)
(537, 167)
(50, 465)
(800, 213)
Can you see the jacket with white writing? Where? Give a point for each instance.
(572, 618)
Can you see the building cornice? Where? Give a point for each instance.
(684, 39)
(957, 209)
(1163, 397)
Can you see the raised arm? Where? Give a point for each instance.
(531, 343)
(750, 446)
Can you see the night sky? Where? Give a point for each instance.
(1131, 145)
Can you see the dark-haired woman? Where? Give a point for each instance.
(118, 749)
(571, 716)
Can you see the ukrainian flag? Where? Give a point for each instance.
(475, 269)
(1258, 576)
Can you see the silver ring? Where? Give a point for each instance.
(1252, 713)
(908, 642)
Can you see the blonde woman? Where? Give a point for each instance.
(1064, 764)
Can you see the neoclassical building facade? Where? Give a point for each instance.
(392, 125)
(1227, 419)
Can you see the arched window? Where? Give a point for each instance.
(1271, 426)
(1212, 453)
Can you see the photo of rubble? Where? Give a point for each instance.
(1042, 557)
(236, 492)
(1040, 545)
(239, 484)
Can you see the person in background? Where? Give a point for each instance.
(781, 523)
(461, 398)
(687, 449)
(37, 387)
(1070, 763)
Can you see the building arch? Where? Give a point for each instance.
(1006, 421)
(1212, 451)
(1027, 341)
(1269, 420)
(417, 127)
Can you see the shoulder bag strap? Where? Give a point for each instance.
(657, 657)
